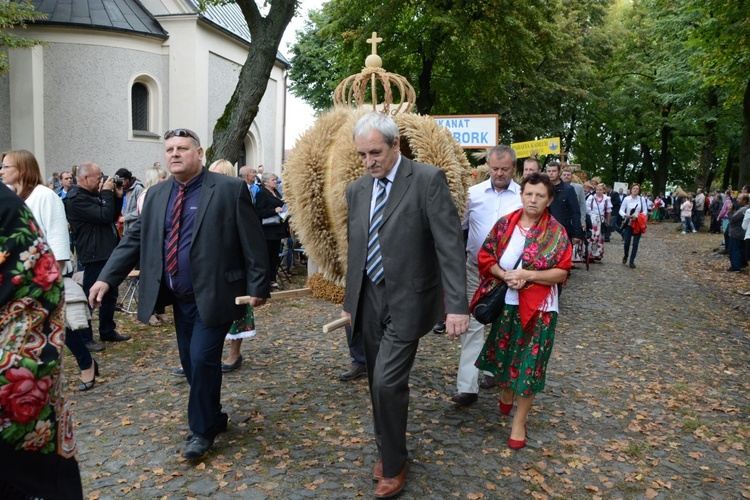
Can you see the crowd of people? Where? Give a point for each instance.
(521, 234)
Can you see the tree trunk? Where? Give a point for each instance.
(706, 158)
(648, 164)
(266, 32)
(744, 174)
(659, 178)
(425, 99)
(614, 157)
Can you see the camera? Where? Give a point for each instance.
(117, 180)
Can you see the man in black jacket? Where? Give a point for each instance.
(92, 214)
(565, 208)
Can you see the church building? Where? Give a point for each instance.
(111, 76)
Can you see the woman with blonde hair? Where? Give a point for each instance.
(154, 176)
(244, 327)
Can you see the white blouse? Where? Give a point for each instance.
(629, 203)
(49, 213)
(602, 207)
(509, 257)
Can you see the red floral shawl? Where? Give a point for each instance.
(546, 247)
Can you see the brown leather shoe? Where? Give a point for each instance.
(377, 471)
(488, 382)
(391, 486)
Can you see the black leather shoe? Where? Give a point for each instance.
(353, 373)
(488, 382)
(464, 398)
(94, 346)
(222, 425)
(115, 337)
(197, 447)
(233, 366)
(632, 265)
(439, 328)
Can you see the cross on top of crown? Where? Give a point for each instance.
(374, 41)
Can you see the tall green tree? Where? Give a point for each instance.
(265, 33)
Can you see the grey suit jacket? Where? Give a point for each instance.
(581, 200)
(421, 244)
(228, 257)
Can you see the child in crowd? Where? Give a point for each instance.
(686, 212)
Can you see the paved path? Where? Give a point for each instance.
(647, 397)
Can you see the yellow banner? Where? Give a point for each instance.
(549, 146)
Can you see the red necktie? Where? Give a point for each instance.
(174, 234)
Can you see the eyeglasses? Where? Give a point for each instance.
(7, 166)
(181, 132)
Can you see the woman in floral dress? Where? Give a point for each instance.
(599, 208)
(520, 341)
(37, 450)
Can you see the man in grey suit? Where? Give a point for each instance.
(405, 269)
(180, 239)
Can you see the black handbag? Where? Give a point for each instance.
(489, 307)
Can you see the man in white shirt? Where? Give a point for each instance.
(488, 201)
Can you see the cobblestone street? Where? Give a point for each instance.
(647, 397)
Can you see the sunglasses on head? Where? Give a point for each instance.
(181, 132)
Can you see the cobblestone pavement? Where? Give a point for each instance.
(647, 397)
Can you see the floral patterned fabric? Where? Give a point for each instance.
(243, 328)
(37, 448)
(516, 362)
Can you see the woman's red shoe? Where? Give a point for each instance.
(504, 409)
(515, 444)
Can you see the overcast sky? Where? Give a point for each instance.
(299, 116)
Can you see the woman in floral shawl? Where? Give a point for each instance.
(37, 451)
(520, 342)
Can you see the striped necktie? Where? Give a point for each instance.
(374, 262)
(174, 233)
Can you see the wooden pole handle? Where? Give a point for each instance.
(334, 325)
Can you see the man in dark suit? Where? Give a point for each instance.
(405, 269)
(565, 207)
(184, 227)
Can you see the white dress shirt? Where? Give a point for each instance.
(483, 209)
(375, 186)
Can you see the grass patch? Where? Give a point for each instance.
(636, 449)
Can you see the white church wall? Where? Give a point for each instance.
(87, 116)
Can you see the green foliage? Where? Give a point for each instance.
(14, 15)
(637, 90)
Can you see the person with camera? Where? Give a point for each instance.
(132, 189)
(92, 208)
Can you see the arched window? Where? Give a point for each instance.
(140, 109)
(145, 108)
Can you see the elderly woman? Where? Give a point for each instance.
(530, 251)
(22, 173)
(269, 204)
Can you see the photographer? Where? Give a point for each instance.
(132, 189)
(92, 208)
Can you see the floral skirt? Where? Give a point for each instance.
(515, 363)
(243, 328)
(596, 242)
